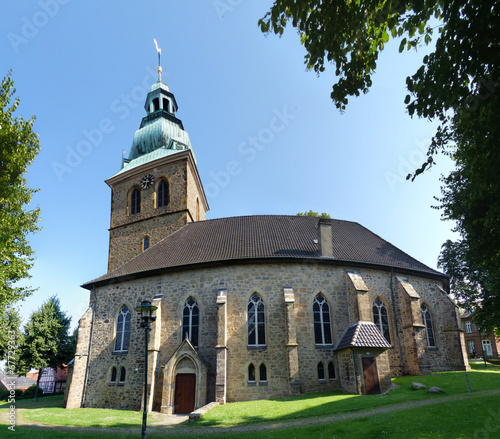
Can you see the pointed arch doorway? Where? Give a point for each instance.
(185, 390)
(184, 381)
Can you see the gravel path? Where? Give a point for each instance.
(176, 425)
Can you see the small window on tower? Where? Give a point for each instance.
(165, 104)
(156, 104)
(145, 243)
(135, 202)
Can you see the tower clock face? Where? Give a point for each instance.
(147, 181)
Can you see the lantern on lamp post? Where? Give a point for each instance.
(146, 311)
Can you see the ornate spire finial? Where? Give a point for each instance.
(159, 62)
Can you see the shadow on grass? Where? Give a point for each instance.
(330, 403)
(44, 401)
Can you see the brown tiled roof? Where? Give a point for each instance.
(264, 236)
(362, 335)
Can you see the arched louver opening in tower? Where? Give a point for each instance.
(162, 193)
(135, 202)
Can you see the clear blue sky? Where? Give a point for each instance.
(83, 68)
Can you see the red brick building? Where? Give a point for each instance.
(478, 341)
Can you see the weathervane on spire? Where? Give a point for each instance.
(159, 62)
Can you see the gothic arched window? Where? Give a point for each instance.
(331, 371)
(162, 193)
(321, 371)
(322, 323)
(135, 202)
(191, 321)
(262, 373)
(113, 375)
(426, 316)
(251, 374)
(122, 330)
(381, 318)
(256, 321)
(122, 376)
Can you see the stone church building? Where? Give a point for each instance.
(249, 307)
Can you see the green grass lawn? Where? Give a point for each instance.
(326, 403)
(447, 420)
(474, 418)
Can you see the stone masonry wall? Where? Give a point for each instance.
(75, 392)
(127, 231)
(195, 199)
(241, 281)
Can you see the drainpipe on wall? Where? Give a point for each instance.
(394, 310)
(84, 394)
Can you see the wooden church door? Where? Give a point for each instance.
(185, 388)
(370, 375)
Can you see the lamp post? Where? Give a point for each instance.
(146, 312)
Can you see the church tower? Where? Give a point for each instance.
(158, 190)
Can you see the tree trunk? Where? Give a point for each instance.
(38, 383)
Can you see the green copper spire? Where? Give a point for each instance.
(160, 129)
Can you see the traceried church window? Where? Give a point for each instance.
(162, 193)
(381, 319)
(256, 321)
(190, 321)
(122, 330)
(322, 323)
(426, 316)
(135, 202)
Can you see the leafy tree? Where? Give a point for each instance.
(47, 342)
(18, 147)
(10, 330)
(311, 213)
(456, 85)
